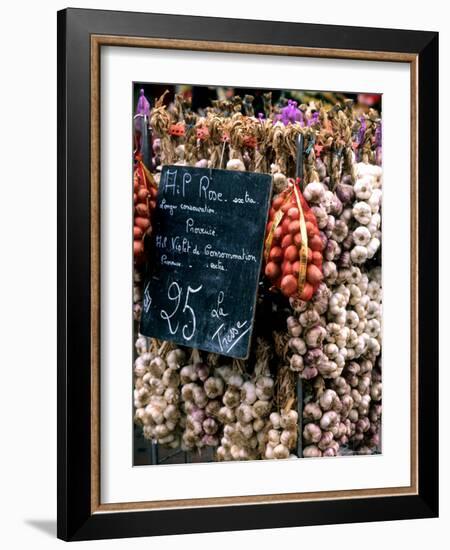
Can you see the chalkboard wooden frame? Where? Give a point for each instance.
(81, 34)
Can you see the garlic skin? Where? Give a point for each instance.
(279, 182)
(280, 451)
(315, 336)
(314, 192)
(321, 216)
(296, 363)
(363, 188)
(236, 164)
(340, 231)
(361, 235)
(248, 393)
(175, 358)
(372, 247)
(362, 212)
(359, 254)
(141, 344)
(295, 328)
(345, 193)
(213, 387)
(312, 451)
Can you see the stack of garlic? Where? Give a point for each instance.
(157, 394)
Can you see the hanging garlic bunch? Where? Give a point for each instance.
(201, 391)
(335, 341)
(372, 437)
(307, 329)
(353, 343)
(344, 362)
(156, 395)
(366, 213)
(326, 427)
(282, 427)
(234, 441)
(137, 294)
(247, 403)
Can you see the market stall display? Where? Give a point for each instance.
(311, 384)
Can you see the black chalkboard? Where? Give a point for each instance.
(207, 242)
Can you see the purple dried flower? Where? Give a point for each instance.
(361, 132)
(314, 119)
(143, 105)
(291, 113)
(378, 141)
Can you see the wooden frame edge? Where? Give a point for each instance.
(98, 40)
(261, 49)
(95, 273)
(217, 502)
(414, 272)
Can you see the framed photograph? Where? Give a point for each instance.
(247, 255)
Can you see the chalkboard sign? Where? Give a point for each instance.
(207, 242)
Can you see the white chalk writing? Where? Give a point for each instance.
(227, 338)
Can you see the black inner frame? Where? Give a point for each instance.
(75, 521)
